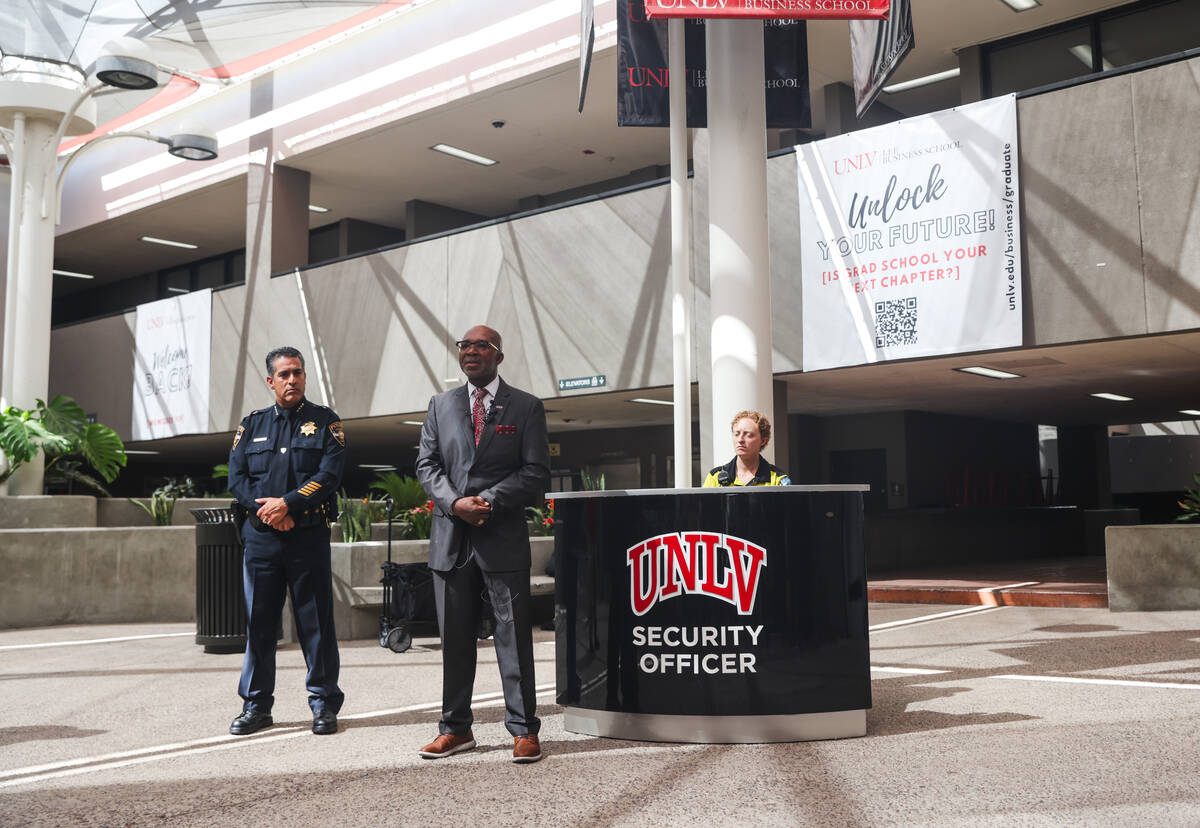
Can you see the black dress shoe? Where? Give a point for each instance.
(250, 721)
(324, 723)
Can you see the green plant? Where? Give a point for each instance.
(355, 517)
(161, 508)
(406, 492)
(590, 483)
(220, 478)
(541, 519)
(418, 520)
(1191, 503)
(61, 431)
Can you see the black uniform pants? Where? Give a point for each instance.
(274, 563)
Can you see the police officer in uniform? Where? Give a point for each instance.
(285, 468)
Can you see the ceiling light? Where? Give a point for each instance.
(313, 208)
(376, 466)
(925, 81)
(464, 155)
(193, 146)
(169, 243)
(1021, 5)
(414, 422)
(72, 274)
(1191, 412)
(126, 63)
(1113, 397)
(135, 451)
(451, 380)
(172, 289)
(989, 372)
(652, 402)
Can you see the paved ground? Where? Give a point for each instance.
(982, 716)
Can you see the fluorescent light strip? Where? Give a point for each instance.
(135, 451)
(651, 402)
(376, 466)
(482, 160)
(925, 81)
(169, 243)
(1114, 397)
(1191, 412)
(72, 274)
(989, 372)
(1021, 5)
(413, 422)
(313, 208)
(173, 289)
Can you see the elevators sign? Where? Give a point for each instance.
(763, 9)
(910, 238)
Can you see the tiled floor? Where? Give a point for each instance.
(1045, 582)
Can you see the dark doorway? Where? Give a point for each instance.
(862, 466)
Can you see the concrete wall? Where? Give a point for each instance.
(1111, 246)
(47, 511)
(118, 511)
(96, 576)
(1153, 567)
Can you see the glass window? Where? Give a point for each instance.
(210, 274)
(1150, 33)
(1033, 63)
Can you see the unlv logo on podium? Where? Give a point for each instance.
(694, 563)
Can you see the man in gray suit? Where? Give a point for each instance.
(483, 459)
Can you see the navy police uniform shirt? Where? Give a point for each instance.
(297, 454)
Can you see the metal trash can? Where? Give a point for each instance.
(220, 600)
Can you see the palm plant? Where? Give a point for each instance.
(1190, 503)
(161, 508)
(355, 517)
(61, 431)
(406, 492)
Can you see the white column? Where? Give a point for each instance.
(681, 258)
(30, 283)
(739, 264)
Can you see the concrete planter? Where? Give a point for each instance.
(97, 576)
(1153, 567)
(47, 511)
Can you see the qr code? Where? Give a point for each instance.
(896, 322)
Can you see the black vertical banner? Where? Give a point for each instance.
(876, 49)
(643, 78)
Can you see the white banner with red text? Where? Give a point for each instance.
(170, 366)
(911, 238)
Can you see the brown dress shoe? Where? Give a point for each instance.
(526, 749)
(447, 744)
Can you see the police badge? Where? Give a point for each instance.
(308, 429)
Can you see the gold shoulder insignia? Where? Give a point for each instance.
(237, 437)
(308, 429)
(336, 430)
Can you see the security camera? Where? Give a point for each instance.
(498, 124)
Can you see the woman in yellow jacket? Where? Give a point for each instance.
(751, 433)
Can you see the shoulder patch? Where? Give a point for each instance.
(237, 436)
(335, 428)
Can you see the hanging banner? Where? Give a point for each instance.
(643, 79)
(911, 238)
(765, 9)
(876, 48)
(170, 366)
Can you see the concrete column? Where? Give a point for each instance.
(739, 262)
(1085, 476)
(970, 74)
(681, 262)
(30, 284)
(702, 350)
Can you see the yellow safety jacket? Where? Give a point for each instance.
(767, 475)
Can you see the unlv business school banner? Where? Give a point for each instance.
(643, 80)
(911, 238)
(170, 366)
(788, 9)
(876, 48)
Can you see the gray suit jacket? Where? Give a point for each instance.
(510, 468)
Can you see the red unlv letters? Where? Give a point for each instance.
(690, 563)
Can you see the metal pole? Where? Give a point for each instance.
(681, 257)
(739, 263)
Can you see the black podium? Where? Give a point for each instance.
(712, 615)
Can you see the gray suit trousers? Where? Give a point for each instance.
(458, 594)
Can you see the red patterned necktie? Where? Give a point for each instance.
(477, 413)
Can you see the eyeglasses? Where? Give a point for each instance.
(479, 344)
